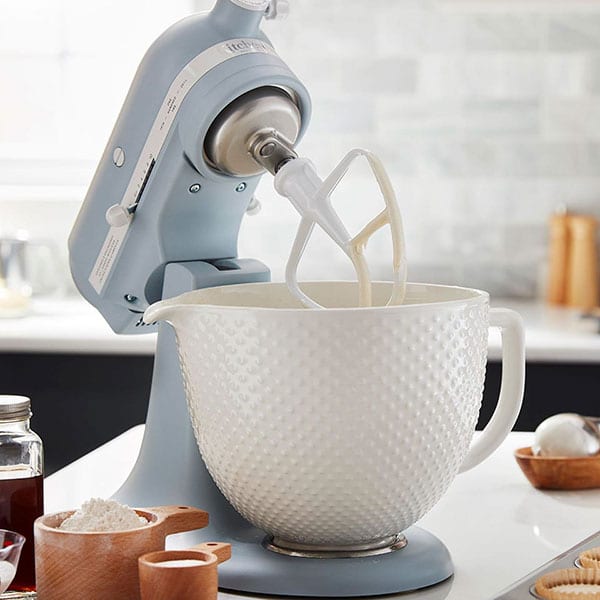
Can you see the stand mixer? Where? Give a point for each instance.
(212, 107)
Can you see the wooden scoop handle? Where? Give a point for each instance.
(179, 519)
(220, 549)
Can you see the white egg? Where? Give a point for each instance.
(566, 435)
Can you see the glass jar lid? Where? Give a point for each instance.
(14, 407)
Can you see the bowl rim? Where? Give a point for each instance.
(185, 300)
(163, 556)
(19, 542)
(153, 521)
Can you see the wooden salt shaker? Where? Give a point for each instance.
(176, 574)
(103, 565)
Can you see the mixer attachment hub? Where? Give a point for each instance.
(263, 111)
(271, 150)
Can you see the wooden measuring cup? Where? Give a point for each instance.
(176, 574)
(103, 565)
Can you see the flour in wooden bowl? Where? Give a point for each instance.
(97, 515)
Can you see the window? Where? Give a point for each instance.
(65, 68)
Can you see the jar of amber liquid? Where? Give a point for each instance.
(21, 482)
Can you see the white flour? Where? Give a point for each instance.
(7, 573)
(185, 562)
(103, 515)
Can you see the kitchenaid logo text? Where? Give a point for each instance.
(247, 46)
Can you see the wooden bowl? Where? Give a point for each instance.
(559, 473)
(103, 565)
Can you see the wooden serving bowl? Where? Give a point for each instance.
(103, 565)
(559, 472)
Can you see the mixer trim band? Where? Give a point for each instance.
(182, 84)
(258, 5)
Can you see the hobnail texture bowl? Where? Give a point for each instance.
(338, 427)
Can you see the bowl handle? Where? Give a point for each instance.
(511, 389)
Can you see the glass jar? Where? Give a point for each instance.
(21, 481)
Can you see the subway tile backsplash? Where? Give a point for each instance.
(488, 119)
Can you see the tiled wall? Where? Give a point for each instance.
(486, 112)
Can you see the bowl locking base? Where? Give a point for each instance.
(383, 546)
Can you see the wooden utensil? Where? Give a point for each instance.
(559, 473)
(558, 258)
(176, 574)
(582, 288)
(99, 565)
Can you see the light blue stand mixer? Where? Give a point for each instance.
(212, 107)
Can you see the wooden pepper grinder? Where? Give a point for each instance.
(182, 574)
(558, 258)
(582, 269)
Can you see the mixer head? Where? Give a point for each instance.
(176, 178)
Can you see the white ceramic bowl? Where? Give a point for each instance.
(340, 427)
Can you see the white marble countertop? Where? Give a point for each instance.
(73, 326)
(69, 326)
(497, 527)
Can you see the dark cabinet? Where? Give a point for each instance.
(78, 401)
(549, 389)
